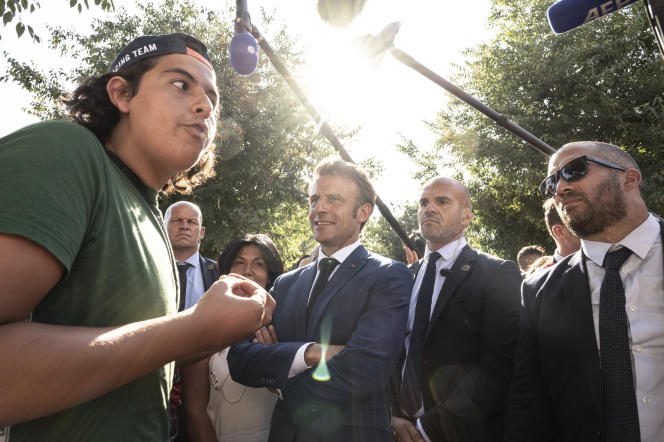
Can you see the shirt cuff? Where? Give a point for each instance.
(299, 365)
(422, 432)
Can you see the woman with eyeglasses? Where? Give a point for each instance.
(217, 409)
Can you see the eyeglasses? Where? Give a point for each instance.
(572, 171)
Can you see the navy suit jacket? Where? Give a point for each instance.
(468, 350)
(556, 393)
(364, 307)
(209, 271)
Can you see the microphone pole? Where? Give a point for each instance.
(326, 130)
(385, 42)
(502, 120)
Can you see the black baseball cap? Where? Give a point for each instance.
(152, 45)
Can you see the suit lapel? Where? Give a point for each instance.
(579, 322)
(462, 267)
(299, 296)
(207, 272)
(341, 277)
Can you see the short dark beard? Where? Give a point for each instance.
(606, 207)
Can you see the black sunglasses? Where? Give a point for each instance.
(572, 171)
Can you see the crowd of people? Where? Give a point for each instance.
(115, 327)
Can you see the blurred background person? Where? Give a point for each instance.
(196, 273)
(566, 242)
(303, 261)
(216, 407)
(412, 256)
(528, 255)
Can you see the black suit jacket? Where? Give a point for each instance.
(555, 393)
(210, 274)
(468, 349)
(208, 270)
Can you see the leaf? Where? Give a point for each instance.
(72, 3)
(80, 8)
(24, 3)
(20, 28)
(7, 17)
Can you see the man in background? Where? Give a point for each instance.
(196, 273)
(566, 242)
(462, 329)
(588, 365)
(184, 224)
(528, 255)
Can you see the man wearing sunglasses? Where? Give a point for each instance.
(588, 365)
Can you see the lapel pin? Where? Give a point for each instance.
(465, 268)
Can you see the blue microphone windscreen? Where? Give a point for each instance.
(244, 53)
(569, 14)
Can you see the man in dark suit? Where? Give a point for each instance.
(463, 324)
(184, 224)
(588, 365)
(196, 273)
(361, 313)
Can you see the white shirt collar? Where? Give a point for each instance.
(193, 260)
(449, 251)
(639, 241)
(343, 253)
(557, 257)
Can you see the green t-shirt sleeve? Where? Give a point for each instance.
(49, 173)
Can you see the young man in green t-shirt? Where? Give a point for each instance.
(88, 285)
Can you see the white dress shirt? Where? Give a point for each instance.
(643, 279)
(448, 255)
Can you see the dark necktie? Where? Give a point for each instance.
(325, 267)
(411, 387)
(619, 399)
(182, 274)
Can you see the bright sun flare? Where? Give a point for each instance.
(342, 85)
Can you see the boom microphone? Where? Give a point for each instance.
(655, 11)
(339, 13)
(243, 47)
(569, 14)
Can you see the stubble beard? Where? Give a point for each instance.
(606, 207)
(440, 234)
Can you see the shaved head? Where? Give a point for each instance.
(462, 193)
(444, 212)
(169, 211)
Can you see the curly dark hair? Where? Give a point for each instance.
(90, 106)
(269, 252)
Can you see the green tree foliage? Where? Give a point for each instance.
(379, 237)
(12, 11)
(603, 81)
(267, 144)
